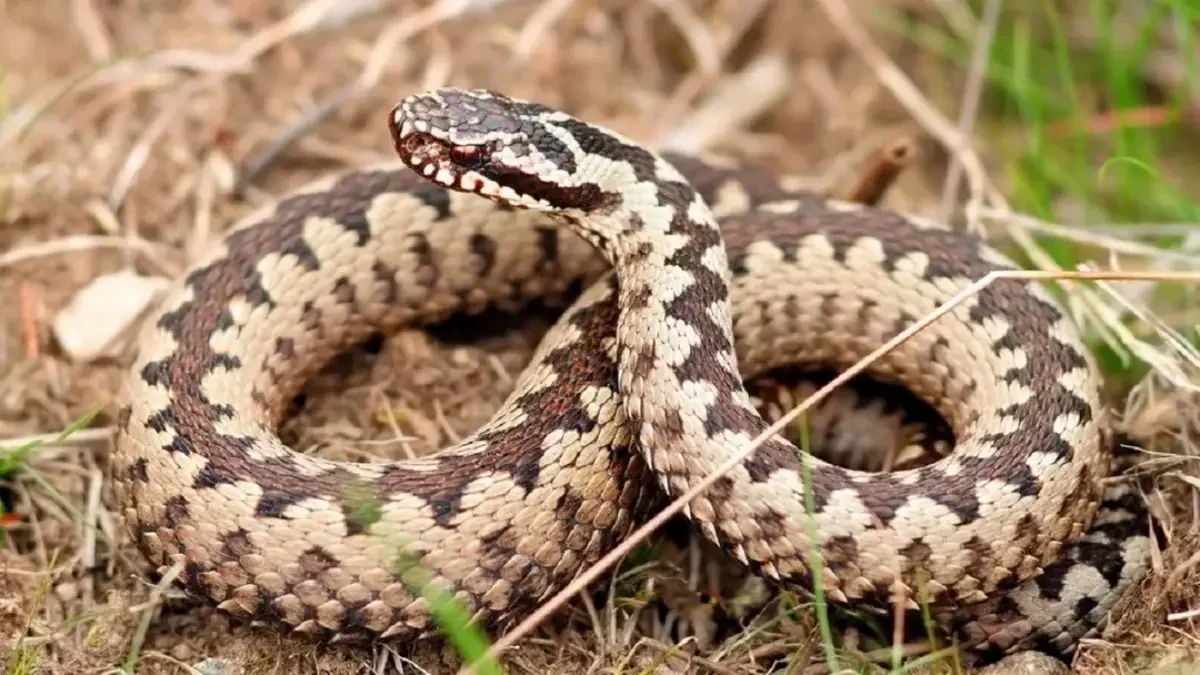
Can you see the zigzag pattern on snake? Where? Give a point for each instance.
(639, 383)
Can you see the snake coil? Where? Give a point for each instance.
(637, 389)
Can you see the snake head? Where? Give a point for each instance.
(515, 152)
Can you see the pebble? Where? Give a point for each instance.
(89, 326)
(217, 667)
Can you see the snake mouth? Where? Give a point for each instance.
(442, 162)
(454, 166)
(457, 166)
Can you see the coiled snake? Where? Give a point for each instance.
(638, 388)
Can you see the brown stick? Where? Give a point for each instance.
(882, 172)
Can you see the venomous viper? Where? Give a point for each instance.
(636, 392)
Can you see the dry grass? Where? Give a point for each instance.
(131, 134)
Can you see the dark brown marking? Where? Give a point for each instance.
(176, 510)
(485, 250)
(123, 415)
(427, 272)
(137, 471)
(386, 277)
(286, 348)
(343, 291)
(437, 197)
(236, 544)
(568, 505)
(272, 503)
(839, 551)
(639, 299)
(721, 489)
(548, 243)
(311, 318)
(773, 524)
(316, 560)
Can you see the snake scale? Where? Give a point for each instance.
(635, 393)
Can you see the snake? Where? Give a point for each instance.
(681, 277)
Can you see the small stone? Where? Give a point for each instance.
(181, 652)
(89, 326)
(67, 591)
(1027, 663)
(217, 667)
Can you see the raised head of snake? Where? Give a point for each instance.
(493, 146)
(1005, 369)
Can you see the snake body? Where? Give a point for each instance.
(636, 393)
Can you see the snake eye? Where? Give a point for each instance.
(465, 155)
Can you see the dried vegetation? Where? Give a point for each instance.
(131, 134)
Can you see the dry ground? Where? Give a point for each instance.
(143, 156)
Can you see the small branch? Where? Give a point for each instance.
(1094, 237)
(983, 44)
(700, 40)
(88, 242)
(882, 172)
(530, 38)
(309, 119)
(139, 634)
(136, 159)
(1185, 615)
(695, 81)
(28, 303)
(908, 95)
(91, 29)
(385, 48)
(738, 99)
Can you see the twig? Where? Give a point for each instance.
(699, 38)
(908, 95)
(173, 661)
(984, 35)
(704, 663)
(308, 16)
(79, 437)
(958, 16)
(438, 63)
(28, 304)
(88, 527)
(1093, 236)
(882, 172)
(622, 549)
(140, 152)
(694, 83)
(1164, 366)
(382, 52)
(736, 100)
(389, 40)
(1182, 616)
(845, 165)
(86, 242)
(205, 196)
(91, 29)
(139, 634)
(546, 15)
(881, 655)
(309, 119)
